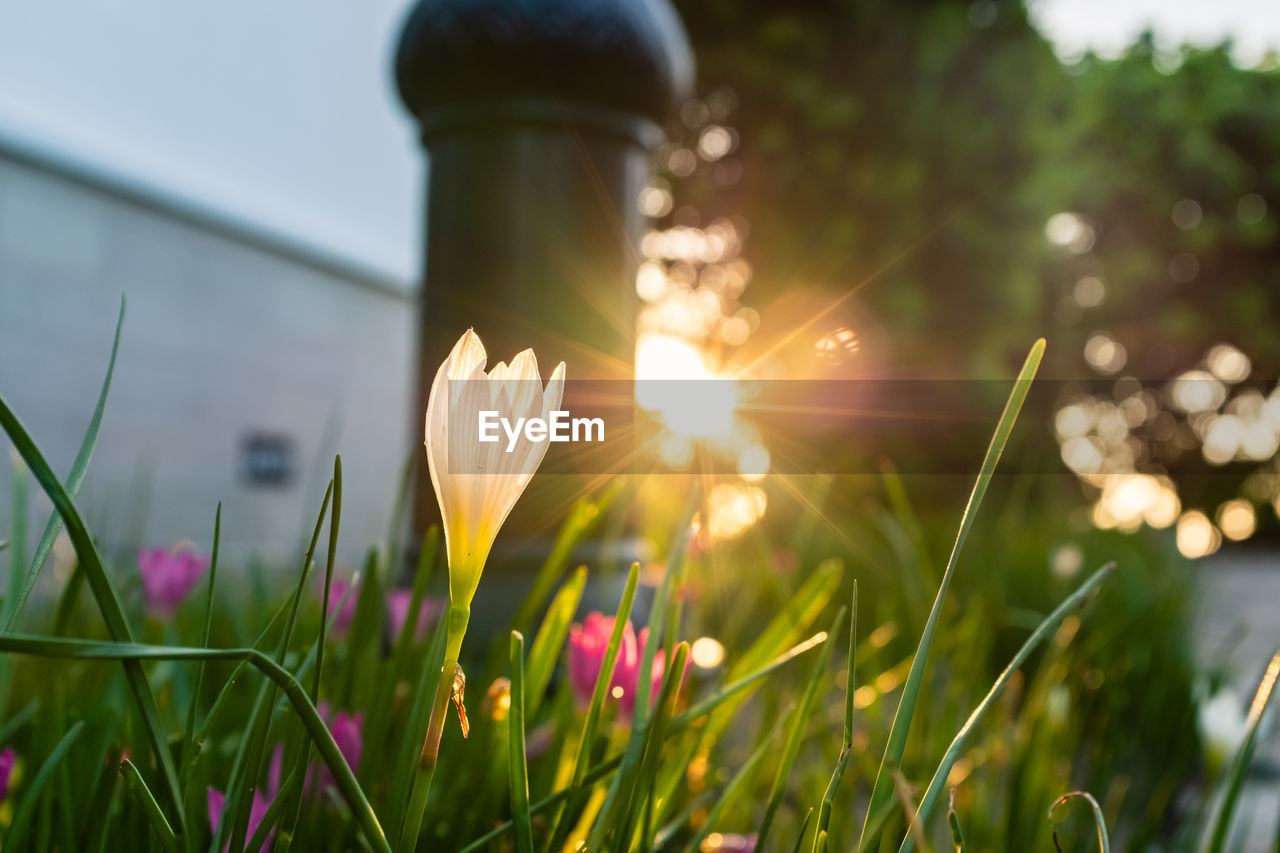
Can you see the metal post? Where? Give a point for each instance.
(538, 117)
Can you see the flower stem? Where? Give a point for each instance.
(457, 628)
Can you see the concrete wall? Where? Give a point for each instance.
(224, 336)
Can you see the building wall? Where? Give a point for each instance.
(224, 337)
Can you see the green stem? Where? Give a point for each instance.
(458, 617)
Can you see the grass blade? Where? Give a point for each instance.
(17, 557)
(290, 788)
(54, 647)
(952, 755)
(957, 835)
(254, 747)
(620, 792)
(679, 724)
(95, 831)
(187, 744)
(655, 739)
(394, 557)
(138, 788)
(804, 827)
(842, 763)
(667, 591)
(578, 523)
(201, 731)
(829, 796)
(1225, 810)
(334, 518)
(516, 763)
(26, 809)
(596, 707)
(549, 640)
(745, 775)
(799, 722)
(196, 804)
(852, 660)
(663, 837)
(13, 607)
(105, 596)
(403, 655)
(785, 630)
(10, 726)
(903, 797)
(17, 533)
(415, 730)
(292, 799)
(61, 793)
(800, 611)
(1104, 843)
(882, 791)
(737, 688)
(365, 636)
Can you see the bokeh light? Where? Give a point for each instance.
(1186, 214)
(1090, 292)
(1070, 232)
(732, 508)
(707, 653)
(1104, 353)
(1196, 535)
(1120, 446)
(1237, 519)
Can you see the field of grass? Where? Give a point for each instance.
(882, 679)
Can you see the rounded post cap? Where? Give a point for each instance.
(625, 56)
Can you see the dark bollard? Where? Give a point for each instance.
(538, 119)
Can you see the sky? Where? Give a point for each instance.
(1107, 26)
(282, 115)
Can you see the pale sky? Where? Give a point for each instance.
(1108, 26)
(281, 115)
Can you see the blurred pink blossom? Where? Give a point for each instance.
(398, 601)
(337, 589)
(261, 802)
(7, 759)
(588, 643)
(348, 733)
(168, 576)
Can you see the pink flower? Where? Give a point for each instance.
(167, 577)
(398, 601)
(337, 589)
(347, 730)
(261, 802)
(587, 645)
(7, 759)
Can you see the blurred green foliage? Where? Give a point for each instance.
(1107, 706)
(928, 143)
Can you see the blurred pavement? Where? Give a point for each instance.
(1239, 622)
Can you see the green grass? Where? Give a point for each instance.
(120, 738)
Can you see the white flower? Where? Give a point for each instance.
(477, 483)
